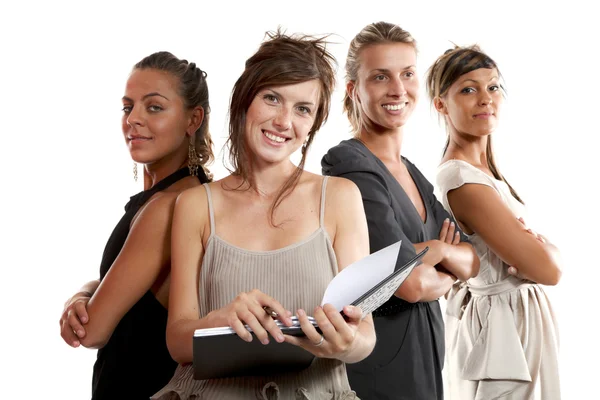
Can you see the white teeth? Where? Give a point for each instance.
(396, 107)
(274, 138)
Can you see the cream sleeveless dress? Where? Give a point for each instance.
(501, 333)
(296, 276)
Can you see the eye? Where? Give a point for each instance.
(409, 74)
(155, 108)
(303, 110)
(468, 90)
(127, 109)
(494, 88)
(271, 98)
(379, 77)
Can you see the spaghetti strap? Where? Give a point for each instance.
(322, 213)
(211, 211)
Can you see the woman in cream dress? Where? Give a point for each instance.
(501, 334)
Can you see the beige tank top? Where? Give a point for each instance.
(297, 276)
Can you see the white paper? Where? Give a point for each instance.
(359, 277)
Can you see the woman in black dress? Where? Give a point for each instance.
(382, 90)
(124, 313)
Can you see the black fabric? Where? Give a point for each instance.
(135, 363)
(407, 361)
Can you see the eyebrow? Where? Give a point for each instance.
(385, 70)
(473, 80)
(146, 96)
(303, 103)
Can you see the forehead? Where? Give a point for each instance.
(308, 91)
(144, 81)
(481, 75)
(391, 56)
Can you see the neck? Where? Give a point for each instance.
(268, 179)
(386, 145)
(160, 169)
(472, 149)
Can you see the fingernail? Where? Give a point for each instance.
(75, 343)
(265, 341)
(300, 313)
(83, 319)
(80, 333)
(279, 338)
(447, 219)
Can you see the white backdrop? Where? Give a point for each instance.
(66, 173)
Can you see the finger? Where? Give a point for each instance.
(249, 318)
(68, 335)
(456, 238)
(268, 323)
(513, 271)
(265, 300)
(75, 324)
(345, 329)
(81, 310)
(450, 234)
(521, 220)
(308, 328)
(444, 230)
(239, 328)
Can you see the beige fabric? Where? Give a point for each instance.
(501, 333)
(297, 276)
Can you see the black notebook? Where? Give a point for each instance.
(219, 353)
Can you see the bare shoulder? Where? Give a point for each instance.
(341, 191)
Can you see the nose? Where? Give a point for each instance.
(486, 98)
(397, 88)
(134, 117)
(283, 119)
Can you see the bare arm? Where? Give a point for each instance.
(352, 340)
(190, 227)
(480, 208)
(425, 282)
(145, 253)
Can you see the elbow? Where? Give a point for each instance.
(474, 267)
(411, 290)
(176, 350)
(554, 276)
(91, 341)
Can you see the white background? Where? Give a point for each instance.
(66, 173)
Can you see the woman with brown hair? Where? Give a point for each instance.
(381, 92)
(124, 313)
(270, 235)
(502, 338)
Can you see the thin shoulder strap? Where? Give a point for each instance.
(211, 211)
(322, 213)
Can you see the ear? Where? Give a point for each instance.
(440, 105)
(351, 91)
(196, 119)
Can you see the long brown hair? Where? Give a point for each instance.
(372, 34)
(280, 60)
(446, 70)
(194, 92)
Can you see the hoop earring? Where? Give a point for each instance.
(135, 172)
(194, 160)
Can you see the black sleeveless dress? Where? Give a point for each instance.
(135, 363)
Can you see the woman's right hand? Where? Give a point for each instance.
(73, 317)
(249, 308)
(448, 233)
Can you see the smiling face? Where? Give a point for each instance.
(155, 119)
(279, 119)
(472, 104)
(387, 88)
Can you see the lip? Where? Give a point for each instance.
(272, 142)
(395, 103)
(483, 115)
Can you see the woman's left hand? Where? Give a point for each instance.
(338, 335)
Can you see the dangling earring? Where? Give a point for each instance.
(194, 161)
(135, 175)
(304, 147)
